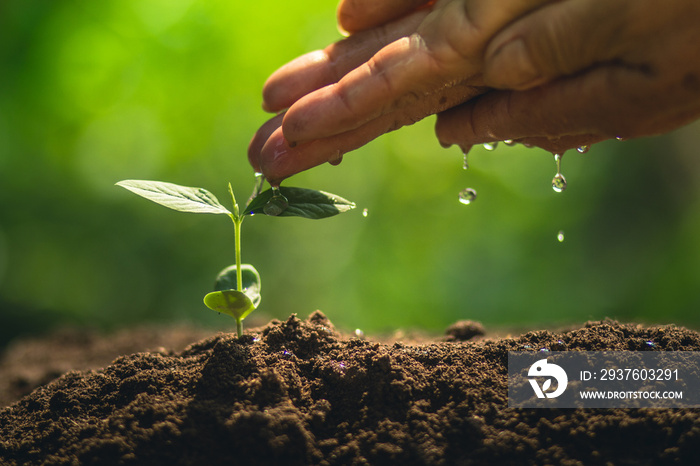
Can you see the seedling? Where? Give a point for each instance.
(237, 288)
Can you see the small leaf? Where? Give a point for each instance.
(234, 303)
(226, 280)
(176, 197)
(307, 203)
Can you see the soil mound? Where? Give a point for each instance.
(299, 392)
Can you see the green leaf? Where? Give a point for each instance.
(176, 197)
(250, 278)
(234, 303)
(307, 203)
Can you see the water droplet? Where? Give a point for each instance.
(619, 138)
(558, 182)
(559, 346)
(467, 196)
(359, 333)
(490, 145)
(582, 149)
(365, 212)
(508, 142)
(560, 236)
(465, 162)
(277, 203)
(336, 158)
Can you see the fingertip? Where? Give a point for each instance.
(259, 139)
(273, 158)
(254, 148)
(346, 18)
(359, 15)
(340, 18)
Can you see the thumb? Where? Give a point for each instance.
(558, 39)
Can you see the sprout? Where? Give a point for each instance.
(237, 288)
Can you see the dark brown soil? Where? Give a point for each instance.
(299, 392)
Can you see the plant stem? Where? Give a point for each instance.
(239, 274)
(237, 221)
(239, 327)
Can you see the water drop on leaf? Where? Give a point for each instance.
(277, 203)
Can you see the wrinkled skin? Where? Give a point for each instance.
(556, 74)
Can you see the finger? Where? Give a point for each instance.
(383, 84)
(322, 67)
(600, 104)
(259, 139)
(446, 49)
(559, 39)
(278, 159)
(358, 15)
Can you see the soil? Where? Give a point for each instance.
(300, 392)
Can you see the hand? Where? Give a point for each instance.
(406, 60)
(575, 72)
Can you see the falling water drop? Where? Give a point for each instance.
(467, 196)
(365, 212)
(465, 157)
(277, 203)
(558, 182)
(560, 236)
(582, 149)
(490, 145)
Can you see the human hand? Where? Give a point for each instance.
(577, 72)
(410, 59)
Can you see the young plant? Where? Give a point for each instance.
(237, 288)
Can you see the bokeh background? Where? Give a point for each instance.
(95, 92)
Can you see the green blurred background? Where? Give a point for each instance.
(95, 92)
